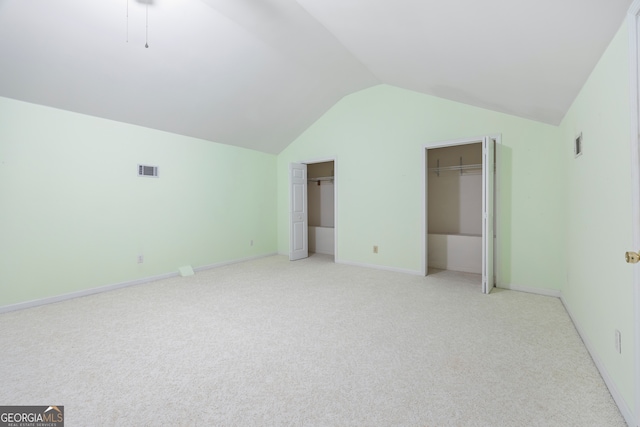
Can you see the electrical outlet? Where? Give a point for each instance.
(251, 244)
(140, 259)
(618, 342)
(375, 249)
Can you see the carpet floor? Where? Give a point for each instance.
(308, 343)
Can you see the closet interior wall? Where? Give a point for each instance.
(454, 195)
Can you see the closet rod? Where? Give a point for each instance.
(456, 168)
(322, 178)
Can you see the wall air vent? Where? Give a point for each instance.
(144, 170)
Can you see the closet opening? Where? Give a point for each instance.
(321, 207)
(312, 209)
(459, 206)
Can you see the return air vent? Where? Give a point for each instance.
(144, 170)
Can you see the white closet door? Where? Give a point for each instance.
(426, 212)
(488, 168)
(298, 215)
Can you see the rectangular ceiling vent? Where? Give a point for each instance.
(144, 170)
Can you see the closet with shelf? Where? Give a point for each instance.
(321, 207)
(454, 208)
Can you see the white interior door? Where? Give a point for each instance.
(298, 215)
(634, 27)
(425, 167)
(488, 168)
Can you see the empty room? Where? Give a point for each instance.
(292, 212)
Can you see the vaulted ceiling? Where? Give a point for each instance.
(257, 73)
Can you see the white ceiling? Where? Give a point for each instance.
(257, 73)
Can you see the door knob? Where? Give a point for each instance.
(632, 257)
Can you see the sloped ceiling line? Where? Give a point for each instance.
(257, 73)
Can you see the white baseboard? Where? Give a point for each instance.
(83, 293)
(233, 261)
(530, 290)
(374, 266)
(380, 267)
(611, 385)
(113, 287)
(321, 252)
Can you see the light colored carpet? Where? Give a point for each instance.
(306, 343)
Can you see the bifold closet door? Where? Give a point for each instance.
(298, 215)
(488, 168)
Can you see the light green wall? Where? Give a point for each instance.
(74, 214)
(599, 290)
(377, 136)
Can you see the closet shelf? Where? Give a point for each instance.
(322, 178)
(462, 168)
